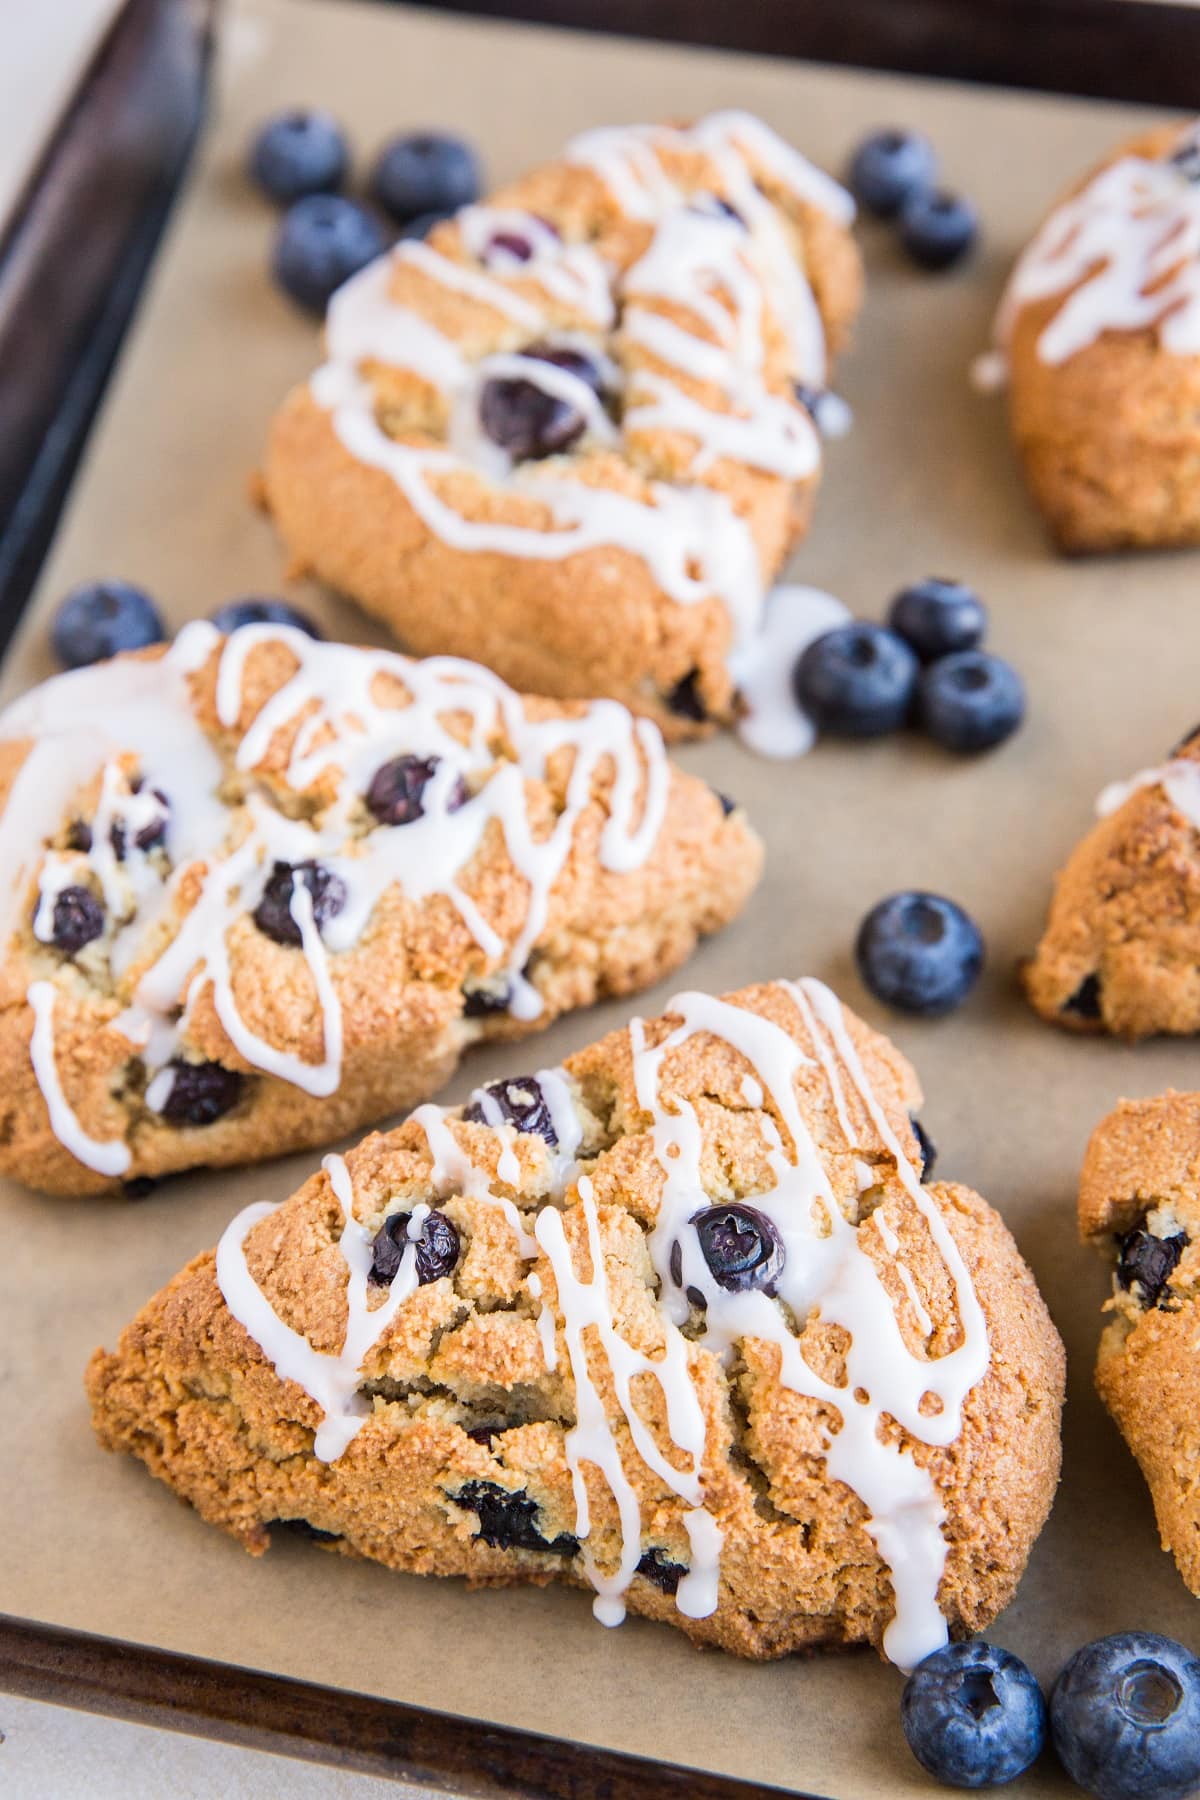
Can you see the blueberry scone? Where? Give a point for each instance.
(1099, 334)
(1139, 1199)
(572, 434)
(1121, 947)
(680, 1321)
(260, 891)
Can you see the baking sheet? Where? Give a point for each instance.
(924, 483)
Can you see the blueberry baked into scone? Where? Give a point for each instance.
(1121, 947)
(571, 434)
(260, 891)
(1139, 1199)
(1099, 332)
(680, 1321)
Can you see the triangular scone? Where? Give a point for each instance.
(1139, 1199)
(572, 434)
(1100, 328)
(1121, 948)
(261, 891)
(679, 1320)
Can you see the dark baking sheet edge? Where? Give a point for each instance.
(323, 1724)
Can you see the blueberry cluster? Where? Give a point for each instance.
(924, 667)
(99, 619)
(1124, 1717)
(893, 174)
(301, 158)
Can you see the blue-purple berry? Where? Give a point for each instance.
(973, 1715)
(301, 151)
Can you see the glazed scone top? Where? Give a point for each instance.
(155, 805)
(821, 1151)
(674, 260)
(1122, 252)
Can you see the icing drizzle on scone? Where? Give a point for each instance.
(169, 868)
(817, 1265)
(1125, 253)
(726, 260)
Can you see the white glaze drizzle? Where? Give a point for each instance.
(331, 1380)
(1179, 780)
(693, 541)
(1125, 253)
(108, 1158)
(827, 1272)
(772, 721)
(145, 708)
(825, 1269)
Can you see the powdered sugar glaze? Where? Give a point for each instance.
(827, 1271)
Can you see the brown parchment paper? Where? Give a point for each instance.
(1110, 651)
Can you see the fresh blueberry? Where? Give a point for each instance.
(741, 1246)
(1148, 1262)
(857, 680)
(201, 1093)
(527, 420)
(926, 1146)
(397, 788)
(520, 1102)
(970, 701)
(255, 611)
(102, 618)
(300, 152)
(509, 1521)
(322, 241)
(888, 167)
(273, 914)
(919, 953)
(437, 1248)
(1125, 1715)
(77, 919)
(1186, 157)
(973, 1715)
(938, 617)
(937, 229)
(424, 172)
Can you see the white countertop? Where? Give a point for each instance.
(53, 1753)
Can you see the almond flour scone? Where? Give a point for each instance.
(571, 434)
(678, 1321)
(1139, 1200)
(1121, 948)
(260, 891)
(1100, 332)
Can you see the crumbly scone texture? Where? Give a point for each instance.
(404, 986)
(1109, 440)
(464, 1404)
(597, 621)
(1121, 948)
(1141, 1175)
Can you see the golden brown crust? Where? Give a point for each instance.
(1109, 439)
(401, 986)
(1121, 947)
(1142, 1173)
(598, 622)
(191, 1393)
